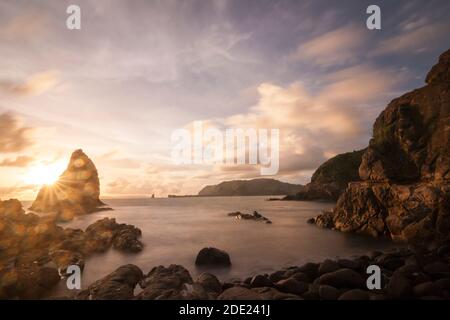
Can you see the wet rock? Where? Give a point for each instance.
(342, 278)
(355, 294)
(277, 276)
(399, 287)
(427, 289)
(328, 266)
(247, 216)
(311, 221)
(239, 293)
(260, 281)
(437, 268)
(350, 264)
(310, 269)
(210, 283)
(292, 286)
(167, 283)
(119, 285)
(213, 257)
(267, 293)
(328, 292)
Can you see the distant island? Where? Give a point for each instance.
(254, 187)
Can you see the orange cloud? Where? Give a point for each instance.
(35, 85)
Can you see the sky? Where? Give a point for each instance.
(138, 70)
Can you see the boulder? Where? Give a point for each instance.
(119, 285)
(355, 294)
(292, 286)
(239, 293)
(213, 257)
(168, 283)
(328, 292)
(342, 278)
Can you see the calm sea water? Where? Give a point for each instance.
(175, 229)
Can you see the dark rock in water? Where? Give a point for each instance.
(311, 221)
(355, 294)
(75, 193)
(247, 216)
(405, 171)
(118, 285)
(213, 257)
(106, 232)
(239, 293)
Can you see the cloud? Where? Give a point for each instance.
(14, 137)
(316, 124)
(34, 85)
(20, 161)
(332, 48)
(415, 38)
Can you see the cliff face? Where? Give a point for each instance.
(405, 171)
(255, 187)
(76, 192)
(332, 177)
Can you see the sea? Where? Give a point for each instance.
(174, 230)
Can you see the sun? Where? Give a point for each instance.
(43, 174)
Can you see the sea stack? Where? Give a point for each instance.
(76, 192)
(404, 192)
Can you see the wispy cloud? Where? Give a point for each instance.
(332, 48)
(34, 85)
(20, 161)
(14, 136)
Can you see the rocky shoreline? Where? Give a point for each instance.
(405, 274)
(35, 251)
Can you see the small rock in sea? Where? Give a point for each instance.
(249, 216)
(213, 257)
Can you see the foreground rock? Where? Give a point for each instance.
(75, 193)
(247, 216)
(405, 189)
(406, 274)
(331, 179)
(118, 285)
(212, 257)
(35, 252)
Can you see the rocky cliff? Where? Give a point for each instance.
(76, 192)
(330, 180)
(255, 187)
(405, 171)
